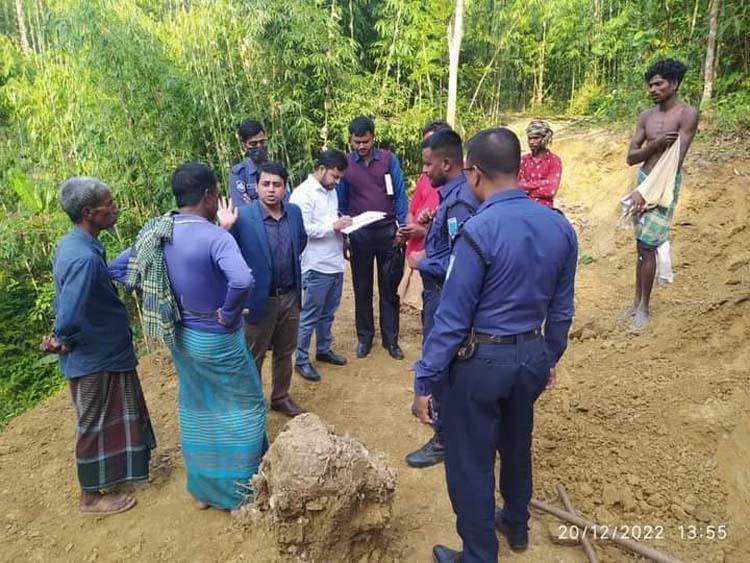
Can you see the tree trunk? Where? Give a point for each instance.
(22, 27)
(539, 94)
(455, 35)
(709, 68)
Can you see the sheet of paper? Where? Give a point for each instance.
(364, 219)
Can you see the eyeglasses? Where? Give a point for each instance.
(476, 168)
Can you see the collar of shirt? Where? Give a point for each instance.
(374, 155)
(265, 214)
(318, 186)
(450, 185)
(86, 237)
(191, 216)
(504, 195)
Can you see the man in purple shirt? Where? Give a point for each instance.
(220, 403)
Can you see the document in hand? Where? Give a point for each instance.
(364, 219)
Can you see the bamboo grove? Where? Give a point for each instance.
(127, 89)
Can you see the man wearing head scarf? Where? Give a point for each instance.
(541, 170)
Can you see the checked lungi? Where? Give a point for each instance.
(652, 227)
(114, 437)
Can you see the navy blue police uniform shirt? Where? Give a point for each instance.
(457, 205)
(242, 182)
(513, 268)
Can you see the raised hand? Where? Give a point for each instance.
(227, 213)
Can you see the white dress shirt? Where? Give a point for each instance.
(320, 210)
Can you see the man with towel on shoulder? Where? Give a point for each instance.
(662, 137)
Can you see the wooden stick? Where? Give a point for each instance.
(588, 548)
(635, 546)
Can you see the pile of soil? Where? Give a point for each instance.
(323, 497)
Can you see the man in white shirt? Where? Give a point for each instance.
(322, 261)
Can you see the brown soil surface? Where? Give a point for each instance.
(650, 429)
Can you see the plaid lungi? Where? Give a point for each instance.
(652, 227)
(114, 437)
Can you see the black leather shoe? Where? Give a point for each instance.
(428, 455)
(288, 407)
(517, 536)
(331, 357)
(307, 371)
(443, 554)
(363, 348)
(395, 351)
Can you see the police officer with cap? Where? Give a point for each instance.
(512, 270)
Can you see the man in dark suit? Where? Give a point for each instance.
(271, 236)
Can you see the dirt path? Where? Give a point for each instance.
(647, 429)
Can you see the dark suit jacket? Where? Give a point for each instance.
(253, 242)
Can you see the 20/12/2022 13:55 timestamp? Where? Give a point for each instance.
(645, 532)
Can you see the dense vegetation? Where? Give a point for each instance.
(127, 89)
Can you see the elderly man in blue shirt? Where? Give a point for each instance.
(512, 270)
(91, 334)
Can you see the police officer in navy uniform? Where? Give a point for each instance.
(512, 269)
(242, 176)
(442, 163)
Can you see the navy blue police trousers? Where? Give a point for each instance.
(487, 406)
(430, 302)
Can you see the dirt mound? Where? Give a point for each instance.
(322, 496)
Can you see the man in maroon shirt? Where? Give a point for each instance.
(540, 170)
(373, 181)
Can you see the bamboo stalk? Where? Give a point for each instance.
(588, 548)
(632, 545)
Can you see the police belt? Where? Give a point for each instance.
(513, 339)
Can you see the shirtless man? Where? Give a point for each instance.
(656, 130)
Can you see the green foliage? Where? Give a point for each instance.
(26, 377)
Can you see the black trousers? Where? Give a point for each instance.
(369, 245)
